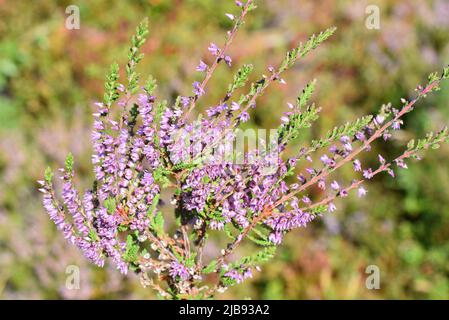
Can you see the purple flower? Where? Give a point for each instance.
(379, 119)
(311, 171)
(285, 119)
(244, 116)
(202, 67)
(185, 101)
(148, 145)
(198, 89)
(228, 60)
(368, 173)
(239, 275)
(391, 173)
(214, 49)
(361, 192)
(301, 179)
(179, 270)
(360, 136)
(306, 200)
(322, 184)
(335, 185)
(348, 147)
(345, 139)
(230, 16)
(235, 106)
(325, 159)
(401, 164)
(275, 237)
(357, 165)
(396, 124)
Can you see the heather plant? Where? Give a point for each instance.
(143, 145)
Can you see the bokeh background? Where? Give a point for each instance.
(50, 76)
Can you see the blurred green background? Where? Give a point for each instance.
(50, 76)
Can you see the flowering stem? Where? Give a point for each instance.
(352, 155)
(230, 37)
(268, 212)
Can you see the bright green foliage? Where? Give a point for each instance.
(321, 209)
(299, 119)
(150, 85)
(422, 194)
(110, 205)
(69, 163)
(228, 232)
(153, 206)
(302, 50)
(160, 175)
(256, 88)
(315, 41)
(157, 223)
(48, 176)
(349, 129)
(261, 257)
(305, 95)
(190, 261)
(156, 217)
(93, 235)
(445, 73)
(252, 6)
(111, 85)
(210, 267)
(240, 78)
(257, 259)
(260, 238)
(253, 260)
(432, 140)
(132, 250)
(134, 55)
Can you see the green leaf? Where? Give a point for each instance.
(69, 163)
(240, 78)
(153, 206)
(134, 55)
(306, 94)
(190, 262)
(210, 267)
(228, 232)
(302, 50)
(132, 249)
(110, 205)
(319, 209)
(48, 176)
(262, 237)
(93, 235)
(348, 129)
(299, 120)
(445, 73)
(411, 144)
(150, 85)
(111, 86)
(259, 241)
(262, 256)
(157, 223)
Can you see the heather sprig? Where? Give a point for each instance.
(134, 55)
(254, 195)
